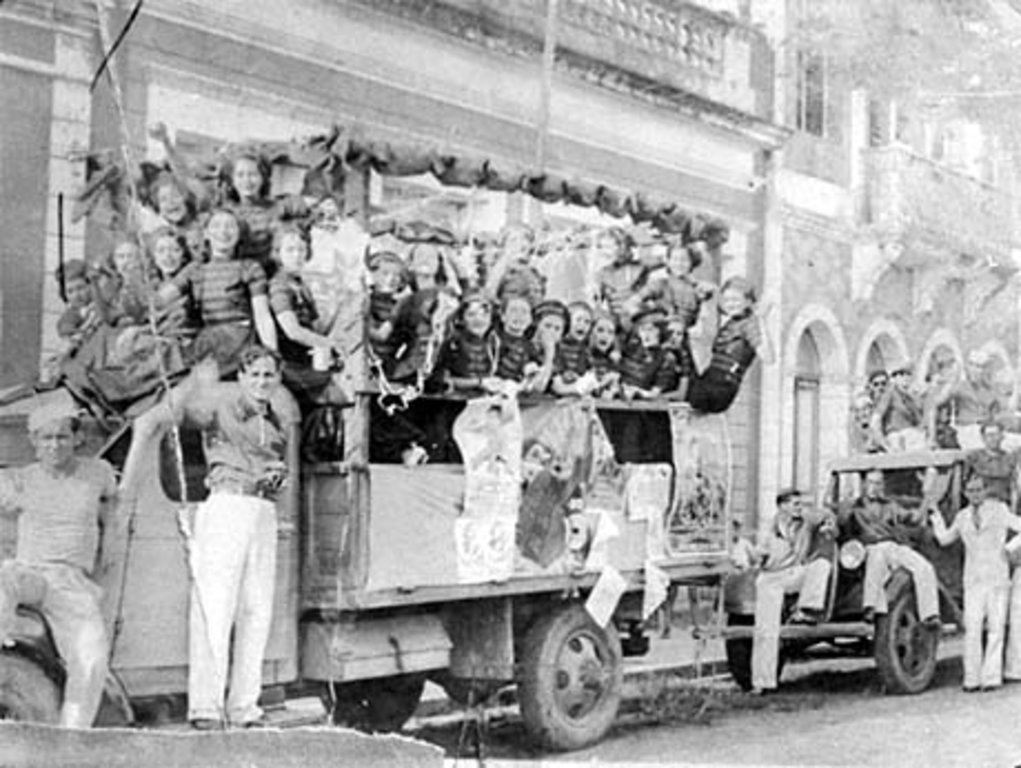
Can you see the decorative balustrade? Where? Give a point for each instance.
(676, 32)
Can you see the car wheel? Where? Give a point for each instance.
(905, 649)
(570, 679)
(382, 705)
(27, 693)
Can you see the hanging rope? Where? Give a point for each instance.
(133, 196)
(112, 49)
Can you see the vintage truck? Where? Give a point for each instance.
(905, 651)
(389, 575)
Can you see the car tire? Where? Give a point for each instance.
(570, 679)
(27, 693)
(905, 650)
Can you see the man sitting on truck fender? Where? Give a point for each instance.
(795, 558)
(64, 506)
(247, 426)
(884, 527)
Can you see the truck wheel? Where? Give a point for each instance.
(570, 679)
(905, 649)
(376, 706)
(26, 692)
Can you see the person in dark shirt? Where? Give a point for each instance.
(647, 369)
(574, 352)
(468, 358)
(604, 355)
(998, 467)
(521, 359)
(388, 276)
(887, 529)
(737, 343)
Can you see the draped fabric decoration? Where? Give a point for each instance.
(326, 159)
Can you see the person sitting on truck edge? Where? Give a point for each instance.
(982, 526)
(604, 355)
(65, 506)
(998, 467)
(739, 340)
(247, 427)
(897, 421)
(795, 557)
(886, 528)
(231, 295)
(468, 358)
(521, 358)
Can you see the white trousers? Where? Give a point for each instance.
(233, 555)
(810, 580)
(1012, 670)
(985, 606)
(70, 602)
(882, 560)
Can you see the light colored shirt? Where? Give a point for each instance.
(59, 517)
(985, 560)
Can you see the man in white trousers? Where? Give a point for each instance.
(886, 529)
(246, 426)
(982, 526)
(795, 558)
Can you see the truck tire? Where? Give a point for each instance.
(570, 679)
(905, 649)
(27, 693)
(376, 706)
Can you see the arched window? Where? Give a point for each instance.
(807, 384)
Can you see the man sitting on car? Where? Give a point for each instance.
(795, 558)
(886, 528)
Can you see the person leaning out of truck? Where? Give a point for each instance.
(795, 556)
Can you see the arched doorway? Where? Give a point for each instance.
(807, 386)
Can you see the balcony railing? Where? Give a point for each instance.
(643, 44)
(908, 193)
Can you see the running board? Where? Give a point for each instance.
(822, 631)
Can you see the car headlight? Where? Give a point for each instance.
(852, 554)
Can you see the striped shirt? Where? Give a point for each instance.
(648, 368)
(573, 359)
(463, 356)
(257, 240)
(288, 293)
(223, 288)
(515, 352)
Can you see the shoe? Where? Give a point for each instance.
(932, 622)
(869, 616)
(970, 689)
(803, 617)
(259, 723)
(205, 724)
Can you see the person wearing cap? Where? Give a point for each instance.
(982, 527)
(468, 357)
(897, 421)
(249, 427)
(387, 278)
(888, 531)
(65, 507)
(794, 557)
(647, 368)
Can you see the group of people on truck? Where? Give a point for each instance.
(207, 270)
(797, 555)
(893, 411)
